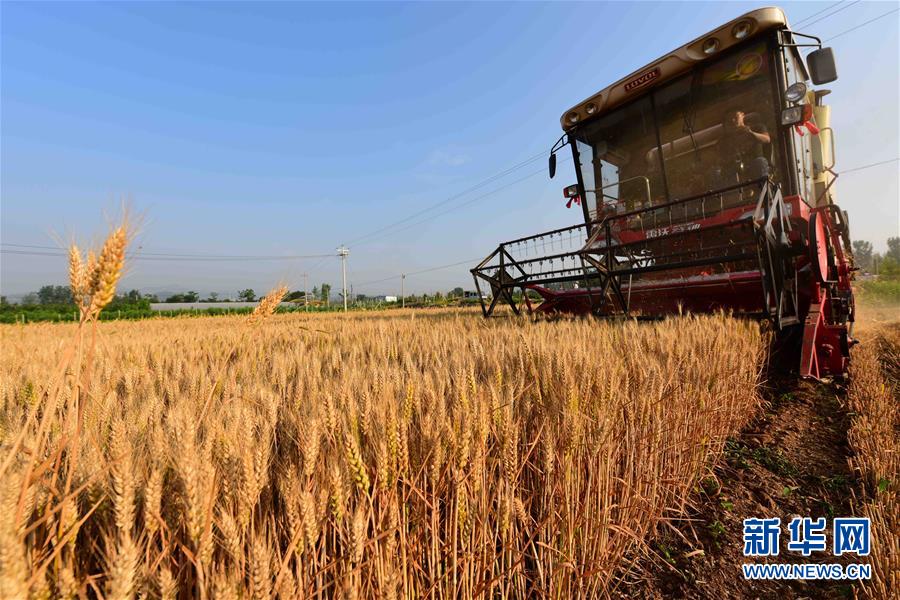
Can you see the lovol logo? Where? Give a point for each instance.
(642, 80)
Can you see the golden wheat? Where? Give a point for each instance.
(93, 281)
(268, 304)
(874, 436)
(385, 456)
(77, 275)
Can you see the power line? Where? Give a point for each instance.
(373, 236)
(373, 282)
(527, 161)
(463, 205)
(456, 264)
(862, 24)
(392, 277)
(179, 256)
(875, 164)
(477, 186)
(442, 213)
(428, 270)
(51, 251)
(829, 7)
(469, 190)
(31, 253)
(314, 269)
(844, 6)
(232, 257)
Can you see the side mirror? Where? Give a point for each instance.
(821, 66)
(552, 164)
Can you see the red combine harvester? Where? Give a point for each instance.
(705, 183)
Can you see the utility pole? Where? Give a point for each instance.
(306, 291)
(343, 252)
(402, 294)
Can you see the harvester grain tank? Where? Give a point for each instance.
(705, 182)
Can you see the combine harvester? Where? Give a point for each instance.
(705, 183)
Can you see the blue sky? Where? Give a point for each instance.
(288, 129)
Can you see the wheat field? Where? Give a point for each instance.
(400, 454)
(345, 456)
(874, 436)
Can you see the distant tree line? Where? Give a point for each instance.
(55, 303)
(885, 265)
(61, 296)
(880, 280)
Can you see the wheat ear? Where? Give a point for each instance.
(108, 269)
(77, 275)
(268, 304)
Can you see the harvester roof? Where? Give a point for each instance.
(708, 45)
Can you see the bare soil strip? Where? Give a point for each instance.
(791, 461)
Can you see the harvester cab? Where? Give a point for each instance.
(705, 182)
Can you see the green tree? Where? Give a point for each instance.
(326, 292)
(213, 297)
(133, 297)
(186, 297)
(456, 292)
(862, 253)
(893, 249)
(54, 294)
(890, 268)
(247, 295)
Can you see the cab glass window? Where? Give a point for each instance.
(615, 167)
(717, 124)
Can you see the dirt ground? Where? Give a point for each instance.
(792, 460)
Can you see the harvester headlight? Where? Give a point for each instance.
(795, 92)
(741, 30)
(572, 117)
(591, 108)
(710, 46)
(792, 115)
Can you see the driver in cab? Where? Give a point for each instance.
(742, 154)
